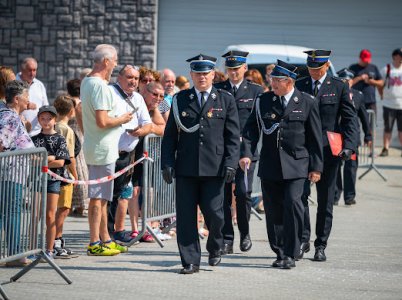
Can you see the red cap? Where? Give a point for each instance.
(365, 56)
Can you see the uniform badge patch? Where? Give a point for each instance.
(191, 96)
(213, 96)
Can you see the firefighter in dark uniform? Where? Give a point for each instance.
(200, 147)
(337, 115)
(291, 152)
(245, 93)
(350, 166)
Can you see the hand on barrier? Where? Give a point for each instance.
(346, 154)
(230, 174)
(168, 174)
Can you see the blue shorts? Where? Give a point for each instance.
(53, 187)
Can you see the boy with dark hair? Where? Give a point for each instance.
(58, 156)
(65, 111)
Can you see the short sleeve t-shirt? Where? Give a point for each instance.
(367, 89)
(392, 93)
(56, 145)
(100, 144)
(68, 134)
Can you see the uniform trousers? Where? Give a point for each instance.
(283, 215)
(325, 200)
(348, 184)
(243, 204)
(207, 192)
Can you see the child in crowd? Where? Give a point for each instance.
(65, 107)
(58, 156)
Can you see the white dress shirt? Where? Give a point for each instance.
(141, 117)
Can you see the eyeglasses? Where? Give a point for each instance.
(128, 66)
(158, 96)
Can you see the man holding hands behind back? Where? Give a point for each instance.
(200, 147)
(291, 152)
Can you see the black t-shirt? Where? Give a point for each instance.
(367, 89)
(56, 145)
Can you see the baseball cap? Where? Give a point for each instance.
(365, 56)
(48, 108)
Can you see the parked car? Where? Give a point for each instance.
(261, 55)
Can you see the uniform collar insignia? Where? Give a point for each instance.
(245, 86)
(328, 82)
(274, 99)
(191, 96)
(213, 96)
(307, 82)
(296, 99)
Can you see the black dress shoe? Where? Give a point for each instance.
(214, 259)
(319, 255)
(304, 248)
(227, 249)
(245, 243)
(350, 202)
(190, 269)
(278, 263)
(288, 263)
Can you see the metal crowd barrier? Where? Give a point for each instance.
(22, 210)
(158, 197)
(366, 154)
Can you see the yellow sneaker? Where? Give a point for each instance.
(115, 246)
(100, 250)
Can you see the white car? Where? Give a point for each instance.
(261, 55)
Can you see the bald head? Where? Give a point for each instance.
(168, 81)
(29, 67)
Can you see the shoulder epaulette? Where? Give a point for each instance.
(307, 94)
(224, 91)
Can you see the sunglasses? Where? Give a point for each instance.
(158, 96)
(128, 66)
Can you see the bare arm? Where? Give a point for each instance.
(54, 163)
(78, 116)
(158, 123)
(72, 167)
(104, 121)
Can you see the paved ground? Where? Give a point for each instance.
(364, 260)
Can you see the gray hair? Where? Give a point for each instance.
(104, 51)
(26, 61)
(15, 88)
(153, 86)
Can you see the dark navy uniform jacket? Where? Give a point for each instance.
(358, 100)
(210, 149)
(245, 96)
(337, 111)
(295, 148)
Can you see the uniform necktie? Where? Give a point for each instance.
(316, 84)
(283, 101)
(202, 99)
(234, 90)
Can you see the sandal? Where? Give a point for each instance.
(147, 238)
(134, 234)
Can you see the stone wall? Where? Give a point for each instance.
(61, 34)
